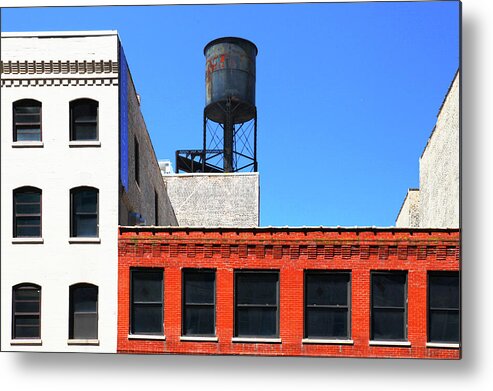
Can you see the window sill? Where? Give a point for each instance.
(27, 144)
(83, 342)
(32, 342)
(148, 337)
(391, 343)
(27, 240)
(84, 240)
(77, 144)
(443, 345)
(327, 341)
(198, 339)
(256, 340)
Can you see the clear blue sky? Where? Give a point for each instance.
(347, 94)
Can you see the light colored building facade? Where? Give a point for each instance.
(70, 130)
(436, 204)
(215, 200)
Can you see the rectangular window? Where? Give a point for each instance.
(137, 162)
(327, 304)
(199, 302)
(444, 307)
(146, 302)
(27, 120)
(83, 312)
(257, 304)
(84, 120)
(389, 306)
(84, 212)
(27, 212)
(26, 312)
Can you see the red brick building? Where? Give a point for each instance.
(335, 292)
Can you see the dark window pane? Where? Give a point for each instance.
(85, 111)
(28, 232)
(28, 208)
(147, 286)
(199, 287)
(29, 107)
(388, 324)
(389, 290)
(28, 133)
(85, 326)
(27, 332)
(326, 323)
(444, 326)
(199, 320)
(147, 319)
(86, 226)
(27, 196)
(86, 201)
(85, 131)
(256, 288)
(84, 120)
(256, 322)
(444, 291)
(27, 118)
(27, 294)
(27, 320)
(26, 306)
(85, 298)
(324, 288)
(85, 212)
(28, 221)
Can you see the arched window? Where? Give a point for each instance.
(26, 311)
(83, 120)
(27, 120)
(83, 311)
(27, 212)
(84, 212)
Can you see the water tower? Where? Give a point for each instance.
(230, 114)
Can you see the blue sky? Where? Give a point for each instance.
(347, 93)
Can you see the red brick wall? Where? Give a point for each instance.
(291, 251)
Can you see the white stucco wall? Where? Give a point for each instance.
(215, 200)
(409, 214)
(439, 167)
(56, 168)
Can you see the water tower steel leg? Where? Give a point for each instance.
(228, 139)
(255, 168)
(204, 154)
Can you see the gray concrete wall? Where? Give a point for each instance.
(439, 167)
(409, 214)
(140, 197)
(215, 200)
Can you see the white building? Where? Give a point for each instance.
(436, 204)
(76, 161)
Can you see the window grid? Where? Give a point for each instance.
(27, 120)
(78, 215)
(329, 308)
(378, 310)
(204, 304)
(27, 199)
(84, 115)
(26, 323)
(83, 323)
(139, 305)
(239, 332)
(433, 277)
